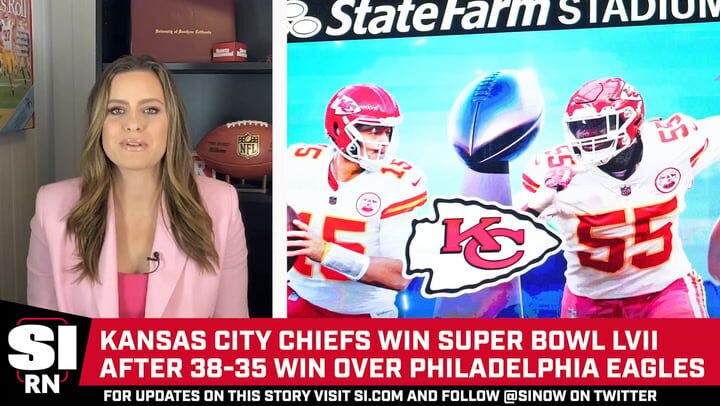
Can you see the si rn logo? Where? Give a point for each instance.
(481, 241)
(40, 365)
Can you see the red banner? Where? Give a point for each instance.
(416, 352)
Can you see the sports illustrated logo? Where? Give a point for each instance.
(368, 204)
(248, 145)
(345, 105)
(472, 244)
(48, 364)
(299, 24)
(667, 180)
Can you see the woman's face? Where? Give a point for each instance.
(135, 130)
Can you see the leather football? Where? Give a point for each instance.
(241, 149)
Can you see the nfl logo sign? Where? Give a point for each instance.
(248, 145)
(625, 190)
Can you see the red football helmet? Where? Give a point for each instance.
(362, 105)
(602, 119)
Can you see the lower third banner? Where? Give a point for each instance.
(52, 356)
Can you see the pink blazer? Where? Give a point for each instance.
(177, 289)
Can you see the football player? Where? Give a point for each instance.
(21, 51)
(355, 202)
(616, 190)
(8, 59)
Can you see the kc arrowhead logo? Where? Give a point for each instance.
(473, 244)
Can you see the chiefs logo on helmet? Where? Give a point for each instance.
(344, 105)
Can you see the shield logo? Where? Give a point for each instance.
(625, 190)
(248, 145)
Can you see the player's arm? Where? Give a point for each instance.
(395, 228)
(541, 181)
(556, 180)
(380, 271)
(707, 149)
(385, 272)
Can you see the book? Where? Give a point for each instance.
(180, 30)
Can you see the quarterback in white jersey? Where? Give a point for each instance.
(355, 203)
(616, 191)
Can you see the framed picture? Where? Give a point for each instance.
(17, 100)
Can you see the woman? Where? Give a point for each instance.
(138, 235)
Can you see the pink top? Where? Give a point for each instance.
(132, 291)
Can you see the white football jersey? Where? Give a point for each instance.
(621, 236)
(371, 214)
(6, 34)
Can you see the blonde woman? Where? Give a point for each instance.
(138, 235)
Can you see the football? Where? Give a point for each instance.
(291, 215)
(495, 118)
(241, 149)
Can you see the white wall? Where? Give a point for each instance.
(64, 71)
(73, 48)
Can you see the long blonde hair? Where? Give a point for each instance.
(189, 221)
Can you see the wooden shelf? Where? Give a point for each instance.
(255, 197)
(221, 67)
(215, 93)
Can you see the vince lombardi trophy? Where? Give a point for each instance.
(492, 121)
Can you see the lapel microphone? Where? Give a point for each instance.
(155, 258)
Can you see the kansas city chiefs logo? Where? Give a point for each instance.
(667, 180)
(472, 245)
(344, 105)
(368, 204)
